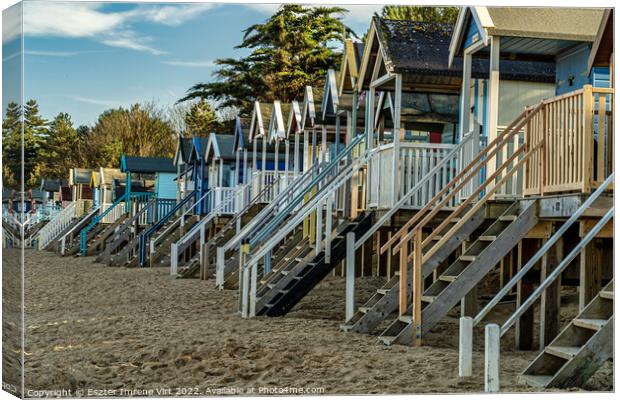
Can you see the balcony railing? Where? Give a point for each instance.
(576, 133)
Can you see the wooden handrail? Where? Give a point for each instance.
(494, 147)
(478, 204)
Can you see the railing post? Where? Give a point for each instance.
(404, 256)
(350, 277)
(245, 279)
(418, 287)
(588, 137)
(542, 151)
(465, 346)
(491, 358)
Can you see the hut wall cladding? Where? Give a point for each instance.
(166, 186)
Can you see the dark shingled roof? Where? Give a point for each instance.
(147, 164)
(423, 48)
(186, 147)
(50, 185)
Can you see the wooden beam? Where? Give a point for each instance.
(590, 272)
(542, 230)
(586, 225)
(550, 298)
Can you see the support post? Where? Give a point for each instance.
(465, 346)
(418, 288)
(493, 99)
(328, 229)
(491, 358)
(550, 298)
(398, 82)
(590, 272)
(350, 279)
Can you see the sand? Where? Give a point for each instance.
(93, 330)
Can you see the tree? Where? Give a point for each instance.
(201, 120)
(140, 130)
(11, 145)
(29, 140)
(420, 13)
(60, 152)
(35, 133)
(290, 50)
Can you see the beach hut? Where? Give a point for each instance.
(182, 160)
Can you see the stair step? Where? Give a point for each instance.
(594, 324)
(539, 381)
(447, 278)
(383, 291)
(388, 340)
(284, 272)
(487, 238)
(507, 217)
(566, 352)
(428, 299)
(437, 237)
(364, 310)
(469, 258)
(406, 318)
(607, 295)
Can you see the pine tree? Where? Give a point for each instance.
(201, 119)
(59, 153)
(35, 133)
(11, 146)
(291, 49)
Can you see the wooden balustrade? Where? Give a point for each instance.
(416, 161)
(576, 133)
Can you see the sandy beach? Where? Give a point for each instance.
(98, 331)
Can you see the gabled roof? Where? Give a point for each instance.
(50, 185)
(80, 176)
(349, 66)
(147, 164)
(95, 179)
(277, 130)
(294, 125)
(199, 148)
(420, 52)
(185, 146)
(308, 112)
(220, 147)
(329, 105)
(603, 45)
(108, 175)
(241, 139)
(526, 28)
(261, 114)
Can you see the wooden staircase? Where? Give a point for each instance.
(301, 270)
(580, 349)
(466, 272)
(385, 300)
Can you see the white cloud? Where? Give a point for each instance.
(191, 64)
(171, 15)
(88, 20)
(11, 23)
(52, 53)
(99, 102)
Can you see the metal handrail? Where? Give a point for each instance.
(543, 250)
(311, 205)
(149, 232)
(271, 207)
(265, 231)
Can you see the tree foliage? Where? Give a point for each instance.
(290, 50)
(30, 136)
(140, 130)
(60, 151)
(200, 119)
(421, 13)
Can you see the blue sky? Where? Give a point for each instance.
(83, 58)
